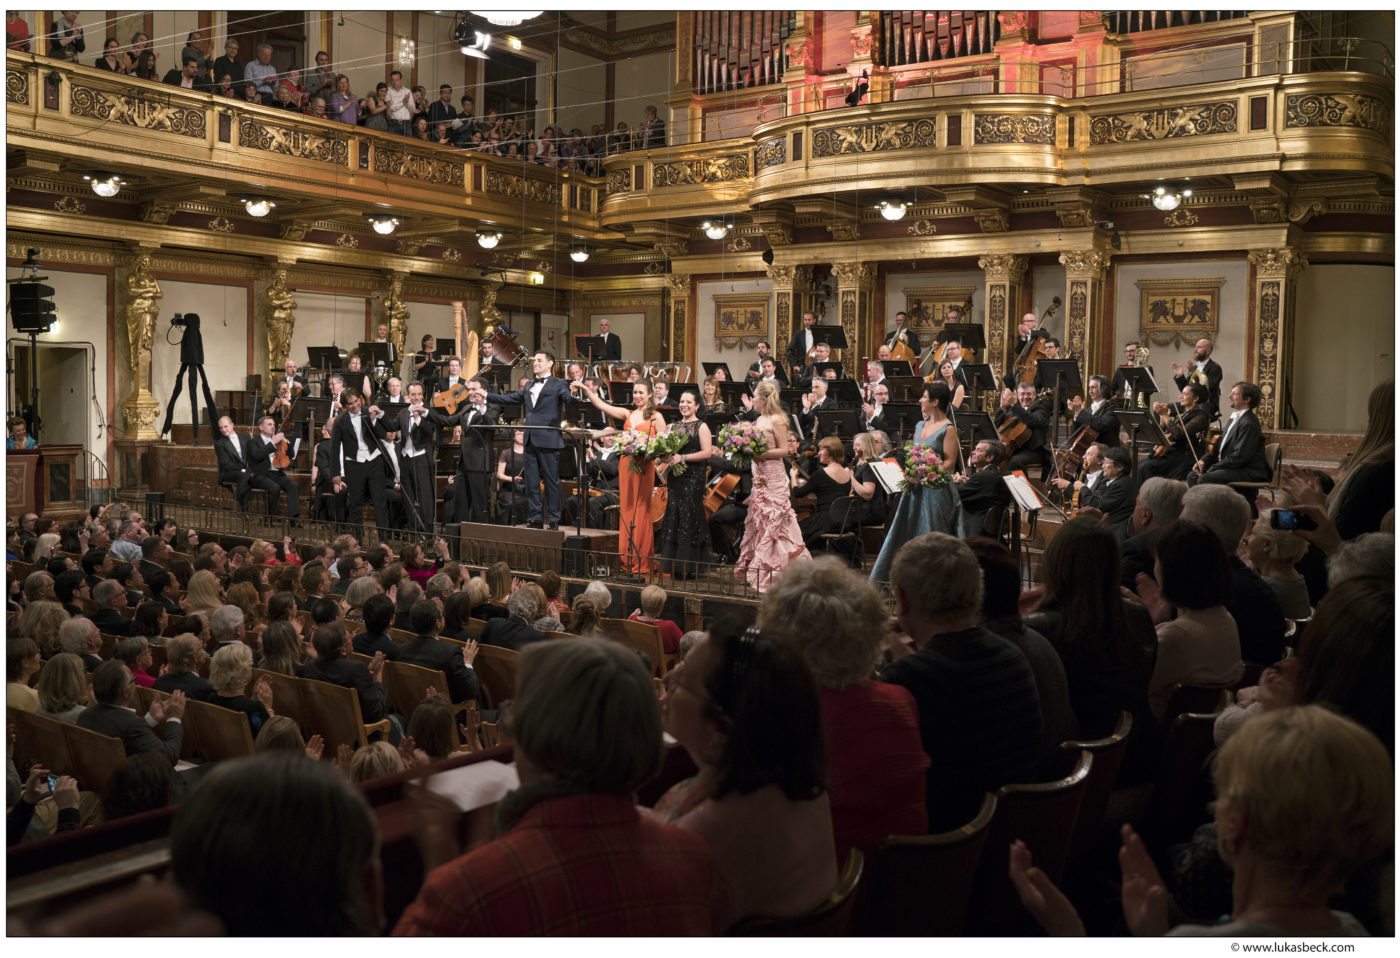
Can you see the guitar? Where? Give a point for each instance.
(450, 398)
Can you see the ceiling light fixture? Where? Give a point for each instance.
(105, 185)
(715, 231)
(258, 205)
(383, 225)
(1168, 198)
(580, 253)
(892, 209)
(506, 18)
(487, 239)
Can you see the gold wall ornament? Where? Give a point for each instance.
(429, 169)
(1003, 272)
(1013, 128)
(1268, 331)
(140, 315)
(139, 417)
(874, 137)
(678, 288)
(1335, 109)
(408, 247)
(739, 245)
(1179, 310)
(1085, 261)
(255, 134)
(671, 248)
(68, 204)
(619, 181)
(347, 241)
(1075, 216)
(294, 230)
(1284, 262)
(992, 221)
(490, 315)
(770, 153)
(396, 313)
(713, 169)
(844, 231)
(157, 212)
(1202, 119)
(504, 257)
(220, 224)
(521, 188)
(654, 269)
(452, 255)
(741, 320)
(129, 109)
(281, 321)
(1181, 216)
(777, 233)
(16, 87)
(923, 228)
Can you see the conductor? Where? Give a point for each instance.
(543, 404)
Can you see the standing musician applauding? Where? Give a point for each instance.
(1208, 368)
(1186, 419)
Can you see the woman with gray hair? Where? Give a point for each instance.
(229, 672)
(876, 763)
(574, 856)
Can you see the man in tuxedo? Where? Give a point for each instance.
(269, 477)
(874, 373)
(293, 379)
(612, 346)
(873, 412)
(1208, 366)
(112, 688)
(801, 344)
(488, 354)
(983, 487)
(471, 483)
(1029, 329)
(431, 652)
(765, 350)
(243, 463)
(1093, 472)
(661, 394)
(821, 353)
(903, 334)
(814, 402)
(453, 377)
(1035, 416)
(602, 477)
(417, 426)
(322, 483)
(1240, 455)
(1116, 495)
(358, 458)
(1120, 381)
(769, 374)
(381, 335)
(543, 403)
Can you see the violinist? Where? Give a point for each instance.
(873, 412)
(296, 382)
(1116, 494)
(830, 482)
(268, 476)
(903, 334)
(949, 376)
(281, 406)
(1052, 351)
(1097, 413)
(1090, 475)
(1022, 407)
(418, 427)
(1188, 418)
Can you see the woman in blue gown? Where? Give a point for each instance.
(922, 508)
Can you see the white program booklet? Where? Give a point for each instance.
(476, 785)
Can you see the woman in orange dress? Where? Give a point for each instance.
(634, 488)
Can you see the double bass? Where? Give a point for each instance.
(1034, 351)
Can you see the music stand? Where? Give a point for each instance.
(841, 423)
(711, 367)
(1142, 427)
(833, 336)
(324, 358)
(845, 391)
(976, 376)
(444, 346)
(906, 414)
(1065, 374)
(588, 346)
(372, 353)
(733, 395)
(904, 388)
(968, 335)
(895, 367)
(976, 426)
(1140, 382)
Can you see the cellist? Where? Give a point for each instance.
(902, 335)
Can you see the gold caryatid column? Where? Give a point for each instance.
(791, 285)
(678, 286)
(396, 313)
(1275, 275)
(1004, 272)
(855, 286)
(490, 315)
(281, 321)
(140, 313)
(1085, 270)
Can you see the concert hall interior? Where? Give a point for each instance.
(1010, 268)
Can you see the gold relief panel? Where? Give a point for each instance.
(69, 205)
(220, 224)
(137, 111)
(1330, 109)
(770, 153)
(1179, 310)
(741, 320)
(1266, 371)
(1181, 217)
(739, 245)
(1013, 128)
(289, 141)
(1077, 322)
(927, 306)
(715, 169)
(619, 181)
(16, 87)
(429, 169)
(1202, 119)
(873, 137)
(923, 228)
(521, 188)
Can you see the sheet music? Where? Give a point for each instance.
(889, 474)
(1022, 491)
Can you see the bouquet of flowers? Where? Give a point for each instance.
(668, 444)
(922, 467)
(741, 442)
(634, 445)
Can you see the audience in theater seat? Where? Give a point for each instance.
(746, 710)
(835, 620)
(22, 662)
(332, 665)
(63, 688)
(183, 657)
(575, 856)
(113, 714)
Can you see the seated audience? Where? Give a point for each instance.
(113, 715)
(515, 631)
(377, 613)
(142, 783)
(1272, 554)
(135, 653)
(430, 652)
(333, 665)
(653, 601)
(22, 663)
(229, 672)
(184, 654)
(63, 688)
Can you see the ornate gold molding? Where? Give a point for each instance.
(221, 224)
(714, 169)
(873, 137)
(60, 251)
(17, 87)
(419, 166)
(1090, 263)
(1013, 128)
(1336, 109)
(1202, 119)
(771, 152)
(992, 221)
(1183, 217)
(860, 275)
(521, 187)
(619, 181)
(255, 134)
(131, 109)
(1003, 267)
(922, 228)
(1282, 263)
(69, 204)
(281, 321)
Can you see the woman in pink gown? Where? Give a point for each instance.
(772, 538)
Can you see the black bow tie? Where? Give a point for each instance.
(540, 379)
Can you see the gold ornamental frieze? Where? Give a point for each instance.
(1331, 109)
(714, 169)
(873, 137)
(1038, 128)
(1201, 119)
(429, 169)
(16, 87)
(290, 141)
(521, 188)
(146, 113)
(619, 181)
(770, 153)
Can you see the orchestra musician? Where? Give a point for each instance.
(902, 333)
(293, 378)
(1098, 413)
(1029, 329)
(357, 457)
(1185, 418)
(769, 370)
(1202, 366)
(982, 488)
(1035, 416)
(1116, 494)
(381, 335)
(1092, 472)
(1239, 456)
(1120, 381)
(874, 375)
(393, 393)
(471, 483)
(765, 350)
(281, 405)
(612, 345)
(711, 401)
(273, 479)
(813, 402)
(453, 377)
(873, 412)
(821, 353)
(330, 503)
(356, 378)
(801, 344)
(418, 427)
(425, 367)
(948, 375)
(601, 466)
(488, 353)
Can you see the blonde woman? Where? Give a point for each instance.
(772, 538)
(203, 595)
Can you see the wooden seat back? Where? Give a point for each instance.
(408, 685)
(333, 712)
(400, 636)
(96, 757)
(1200, 699)
(39, 740)
(475, 627)
(1171, 811)
(158, 658)
(1108, 755)
(109, 644)
(554, 634)
(920, 885)
(496, 668)
(642, 636)
(222, 733)
(1043, 816)
(832, 918)
(286, 695)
